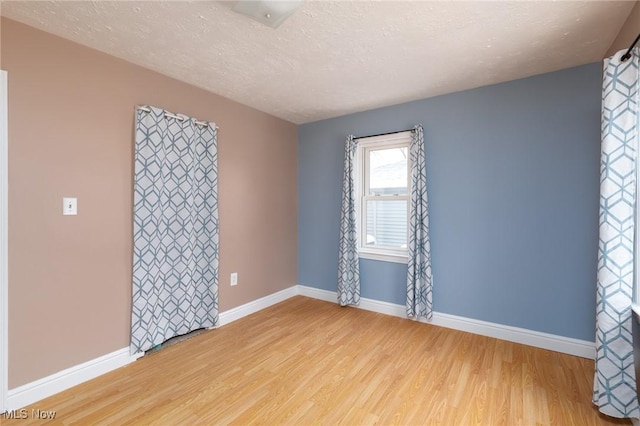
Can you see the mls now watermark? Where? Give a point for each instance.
(34, 413)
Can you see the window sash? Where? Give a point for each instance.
(367, 161)
(379, 252)
(364, 218)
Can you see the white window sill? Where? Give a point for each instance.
(395, 258)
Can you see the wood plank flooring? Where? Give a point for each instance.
(305, 361)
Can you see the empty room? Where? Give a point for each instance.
(319, 212)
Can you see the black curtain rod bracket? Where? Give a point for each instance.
(628, 54)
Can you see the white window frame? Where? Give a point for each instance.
(394, 140)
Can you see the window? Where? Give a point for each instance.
(383, 185)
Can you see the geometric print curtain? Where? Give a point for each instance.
(614, 387)
(175, 228)
(419, 278)
(348, 260)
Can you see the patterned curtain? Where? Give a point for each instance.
(614, 383)
(348, 260)
(419, 279)
(175, 228)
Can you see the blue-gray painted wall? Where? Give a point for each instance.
(513, 180)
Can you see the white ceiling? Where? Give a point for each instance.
(335, 58)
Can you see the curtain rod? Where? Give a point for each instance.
(628, 54)
(382, 134)
(177, 117)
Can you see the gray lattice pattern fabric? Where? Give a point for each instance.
(348, 260)
(175, 228)
(419, 278)
(614, 383)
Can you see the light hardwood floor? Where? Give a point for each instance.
(305, 361)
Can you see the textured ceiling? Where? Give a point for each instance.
(334, 58)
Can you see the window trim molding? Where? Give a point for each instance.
(363, 145)
(386, 257)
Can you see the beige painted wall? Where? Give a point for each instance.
(71, 121)
(628, 32)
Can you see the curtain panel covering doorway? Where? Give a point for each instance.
(614, 385)
(175, 227)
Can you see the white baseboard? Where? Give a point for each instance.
(567, 345)
(35, 391)
(316, 293)
(50, 385)
(257, 305)
(43, 388)
(538, 339)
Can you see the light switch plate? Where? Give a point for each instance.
(69, 206)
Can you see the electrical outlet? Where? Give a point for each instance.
(234, 278)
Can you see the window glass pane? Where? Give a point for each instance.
(388, 171)
(386, 223)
